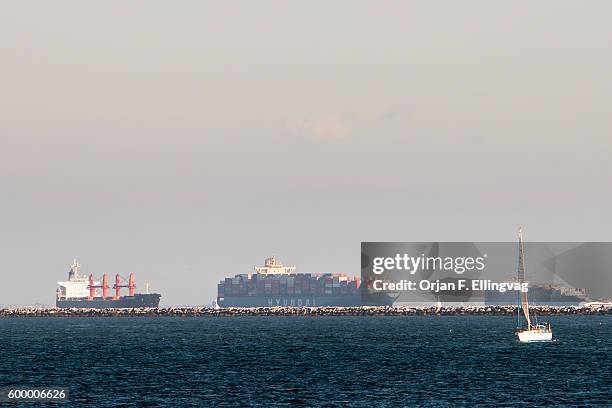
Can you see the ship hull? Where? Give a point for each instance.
(305, 301)
(532, 336)
(136, 301)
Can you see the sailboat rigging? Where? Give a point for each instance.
(532, 332)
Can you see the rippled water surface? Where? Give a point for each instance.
(306, 361)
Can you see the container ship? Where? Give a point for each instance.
(81, 291)
(541, 294)
(276, 285)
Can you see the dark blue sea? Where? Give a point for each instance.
(308, 361)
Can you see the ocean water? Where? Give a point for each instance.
(305, 361)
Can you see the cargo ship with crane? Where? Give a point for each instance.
(81, 291)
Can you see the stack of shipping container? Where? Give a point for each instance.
(332, 284)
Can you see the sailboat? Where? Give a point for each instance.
(438, 303)
(533, 332)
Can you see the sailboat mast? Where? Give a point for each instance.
(518, 293)
(521, 277)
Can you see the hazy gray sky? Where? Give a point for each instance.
(186, 141)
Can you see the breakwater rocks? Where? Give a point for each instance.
(303, 311)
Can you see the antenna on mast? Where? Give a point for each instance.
(74, 269)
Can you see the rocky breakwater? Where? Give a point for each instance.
(303, 311)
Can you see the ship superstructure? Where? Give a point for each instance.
(77, 286)
(82, 291)
(277, 285)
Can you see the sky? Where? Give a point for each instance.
(186, 142)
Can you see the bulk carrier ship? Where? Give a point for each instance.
(276, 285)
(81, 291)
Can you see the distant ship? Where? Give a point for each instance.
(542, 294)
(276, 285)
(81, 291)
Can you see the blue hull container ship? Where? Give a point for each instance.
(81, 291)
(275, 285)
(542, 294)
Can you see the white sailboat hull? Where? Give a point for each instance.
(528, 336)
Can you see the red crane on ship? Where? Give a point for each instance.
(131, 285)
(92, 287)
